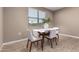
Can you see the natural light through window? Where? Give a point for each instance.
(35, 16)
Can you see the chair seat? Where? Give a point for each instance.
(35, 39)
(51, 37)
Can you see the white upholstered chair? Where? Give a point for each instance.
(57, 31)
(32, 38)
(52, 37)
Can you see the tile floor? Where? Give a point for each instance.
(65, 44)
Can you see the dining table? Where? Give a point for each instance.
(42, 32)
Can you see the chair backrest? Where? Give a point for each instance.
(35, 34)
(52, 33)
(29, 35)
(57, 30)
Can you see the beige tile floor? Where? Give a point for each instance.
(65, 44)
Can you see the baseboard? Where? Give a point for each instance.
(67, 35)
(12, 42)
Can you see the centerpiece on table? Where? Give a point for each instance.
(46, 22)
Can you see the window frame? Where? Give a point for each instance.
(38, 18)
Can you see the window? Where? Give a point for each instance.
(35, 16)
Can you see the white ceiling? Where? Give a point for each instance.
(54, 8)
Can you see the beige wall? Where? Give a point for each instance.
(68, 21)
(15, 21)
(1, 26)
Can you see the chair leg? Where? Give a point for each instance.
(56, 41)
(30, 47)
(42, 44)
(58, 36)
(48, 40)
(27, 44)
(37, 43)
(51, 43)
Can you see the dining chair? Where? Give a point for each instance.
(52, 37)
(32, 38)
(57, 33)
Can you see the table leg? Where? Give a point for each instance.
(42, 42)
